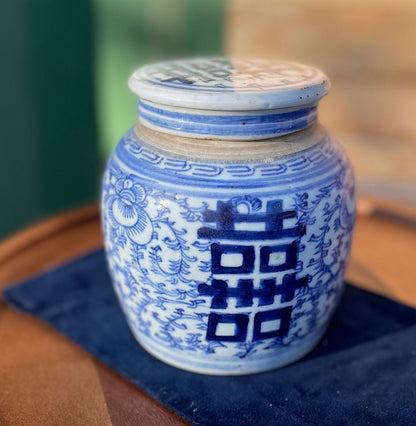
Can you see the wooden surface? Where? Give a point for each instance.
(47, 380)
(44, 378)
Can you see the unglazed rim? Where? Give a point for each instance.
(229, 151)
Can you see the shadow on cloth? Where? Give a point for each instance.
(362, 372)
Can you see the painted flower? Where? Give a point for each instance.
(126, 208)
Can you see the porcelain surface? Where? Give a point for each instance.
(228, 98)
(229, 84)
(228, 256)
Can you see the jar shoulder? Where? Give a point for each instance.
(228, 151)
(312, 155)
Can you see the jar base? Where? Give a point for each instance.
(233, 367)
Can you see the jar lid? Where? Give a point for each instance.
(228, 98)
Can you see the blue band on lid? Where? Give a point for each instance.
(227, 98)
(246, 125)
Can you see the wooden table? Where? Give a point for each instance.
(46, 379)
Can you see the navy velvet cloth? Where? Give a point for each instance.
(362, 372)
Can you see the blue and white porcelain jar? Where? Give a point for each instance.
(228, 214)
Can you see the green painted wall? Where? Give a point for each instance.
(132, 33)
(48, 152)
(65, 101)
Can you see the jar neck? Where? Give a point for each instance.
(226, 125)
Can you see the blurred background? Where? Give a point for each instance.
(65, 101)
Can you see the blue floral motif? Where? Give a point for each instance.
(126, 209)
(158, 262)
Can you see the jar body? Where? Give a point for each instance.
(227, 265)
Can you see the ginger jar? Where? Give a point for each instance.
(228, 214)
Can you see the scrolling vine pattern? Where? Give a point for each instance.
(153, 259)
